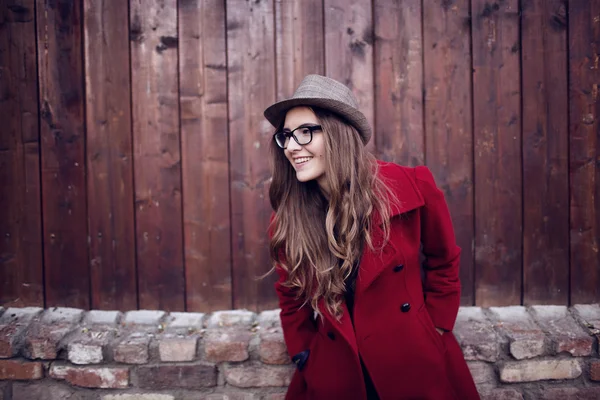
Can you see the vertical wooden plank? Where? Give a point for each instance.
(109, 155)
(497, 135)
(448, 120)
(21, 269)
(251, 77)
(399, 84)
(300, 43)
(584, 169)
(349, 36)
(205, 156)
(157, 160)
(65, 233)
(545, 152)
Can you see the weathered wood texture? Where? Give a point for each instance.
(448, 120)
(251, 87)
(156, 154)
(205, 154)
(62, 133)
(497, 158)
(545, 152)
(134, 161)
(21, 267)
(584, 167)
(109, 163)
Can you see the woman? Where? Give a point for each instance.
(360, 319)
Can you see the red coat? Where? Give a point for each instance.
(395, 311)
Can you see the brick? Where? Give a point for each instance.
(226, 345)
(257, 375)
(269, 319)
(562, 393)
(232, 318)
(102, 317)
(20, 370)
(272, 348)
(44, 390)
(89, 347)
(62, 315)
(13, 326)
(92, 377)
(589, 317)
(139, 396)
(501, 394)
(158, 377)
(525, 338)
(133, 349)
(19, 315)
(476, 335)
(144, 317)
(595, 371)
(185, 320)
(483, 373)
(275, 396)
(174, 348)
(533, 370)
(564, 332)
(43, 341)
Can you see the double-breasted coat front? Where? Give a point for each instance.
(399, 301)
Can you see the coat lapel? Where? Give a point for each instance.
(404, 188)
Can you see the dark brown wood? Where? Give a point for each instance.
(251, 77)
(545, 152)
(497, 136)
(109, 155)
(205, 154)
(21, 268)
(157, 160)
(349, 36)
(584, 169)
(399, 81)
(300, 43)
(448, 120)
(65, 234)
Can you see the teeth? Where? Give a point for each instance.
(302, 159)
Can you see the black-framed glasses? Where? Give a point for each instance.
(303, 136)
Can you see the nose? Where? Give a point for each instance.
(293, 145)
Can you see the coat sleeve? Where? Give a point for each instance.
(442, 284)
(297, 320)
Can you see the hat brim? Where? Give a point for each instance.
(275, 113)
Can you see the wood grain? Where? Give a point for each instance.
(584, 140)
(399, 82)
(205, 154)
(64, 210)
(251, 77)
(21, 266)
(157, 159)
(448, 120)
(545, 153)
(109, 155)
(497, 138)
(349, 36)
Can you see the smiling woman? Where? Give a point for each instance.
(346, 232)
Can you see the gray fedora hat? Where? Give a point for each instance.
(326, 93)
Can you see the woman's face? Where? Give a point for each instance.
(308, 160)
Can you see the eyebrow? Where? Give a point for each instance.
(304, 125)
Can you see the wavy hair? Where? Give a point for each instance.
(316, 238)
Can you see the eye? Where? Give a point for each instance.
(305, 131)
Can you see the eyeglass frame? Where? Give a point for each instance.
(290, 134)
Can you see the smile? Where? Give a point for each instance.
(302, 160)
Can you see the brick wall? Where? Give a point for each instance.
(542, 352)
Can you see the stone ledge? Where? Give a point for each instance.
(513, 353)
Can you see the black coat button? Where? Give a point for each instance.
(331, 335)
(398, 267)
(405, 307)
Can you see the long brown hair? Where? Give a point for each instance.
(316, 239)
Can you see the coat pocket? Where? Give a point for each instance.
(427, 324)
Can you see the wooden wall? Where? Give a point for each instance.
(133, 151)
